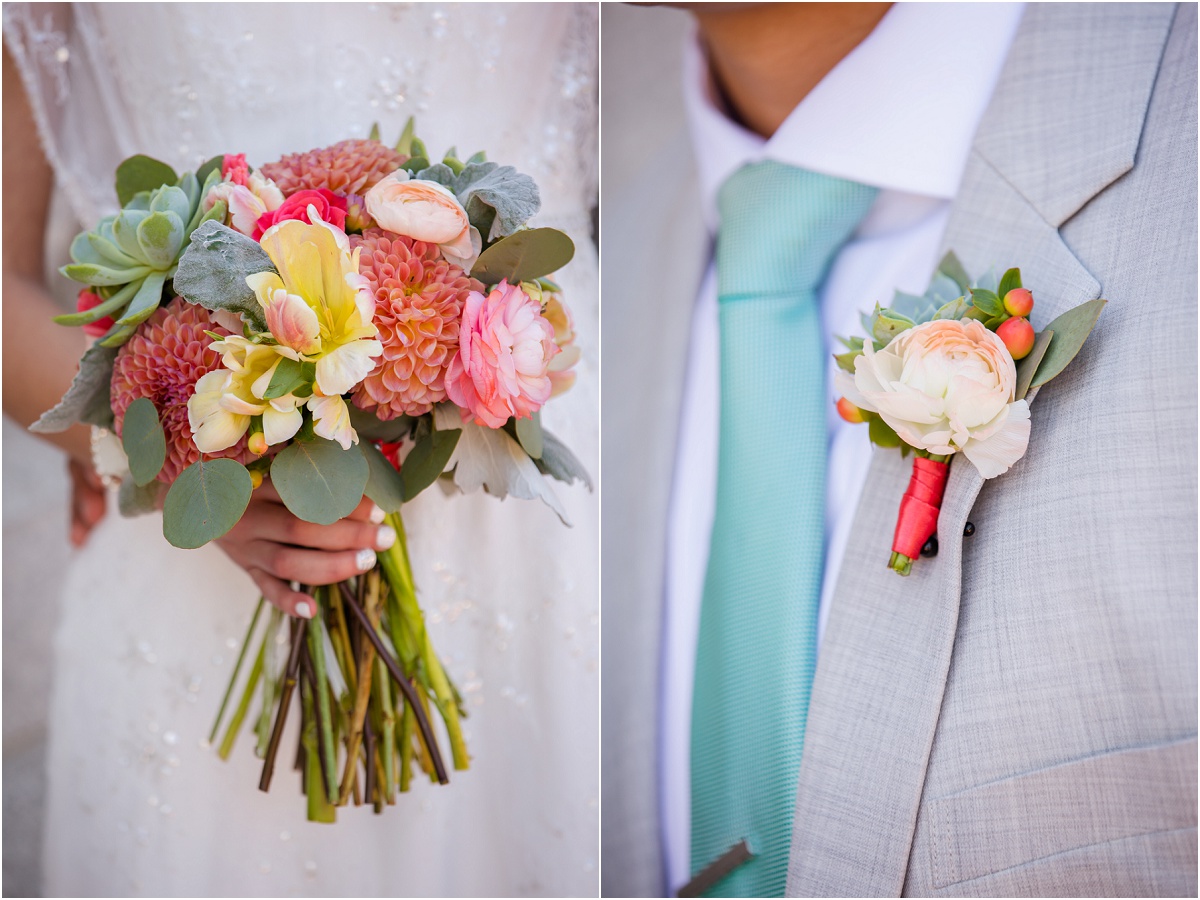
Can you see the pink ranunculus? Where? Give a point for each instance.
(330, 207)
(89, 300)
(946, 386)
(234, 168)
(505, 348)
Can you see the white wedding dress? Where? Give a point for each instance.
(138, 803)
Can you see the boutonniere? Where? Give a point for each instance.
(950, 372)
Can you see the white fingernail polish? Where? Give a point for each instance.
(385, 537)
(377, 515)
(304, 609)
(365, 560)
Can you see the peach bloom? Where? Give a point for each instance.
(425, 211)
(946, 386)
(505, 349)
(246, 203)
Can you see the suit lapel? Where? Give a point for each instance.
(1063, 124)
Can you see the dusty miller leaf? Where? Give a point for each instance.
(213, 269)
(87, 399)
(488, 458)
(498, 199)
(559, 462)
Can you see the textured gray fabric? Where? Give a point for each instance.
(654, 250)
(1052, 656)
(1065, 628)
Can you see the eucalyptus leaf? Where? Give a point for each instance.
(369, 427)
(529, 435)
(213, 165)
(213, 269)
(524, 256)
(319, 481)
(135, 500)
(1027, 367)
(384, 485)
(87, 399)
(1070, 329)
(206, 500)
(559, 462)
(952, 268)
(142, 173)
(427, 460)
(144, 441)
(1009, 281)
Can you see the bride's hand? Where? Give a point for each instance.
(275, 548)
(88, 501)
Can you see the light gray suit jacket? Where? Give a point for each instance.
(1019, 715)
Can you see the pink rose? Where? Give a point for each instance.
(89, 300)
(505, 348)
(234, 168)
(329, 206)
(425, 211)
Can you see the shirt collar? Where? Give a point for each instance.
(899, 112)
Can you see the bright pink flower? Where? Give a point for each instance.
(330, 207)
(89, 300)
(163, 360)
(505, 348)
(235, 169)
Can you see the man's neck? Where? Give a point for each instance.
(765, 58)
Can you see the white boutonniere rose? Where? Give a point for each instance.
(946, 386)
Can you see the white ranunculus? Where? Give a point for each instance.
(946, 386)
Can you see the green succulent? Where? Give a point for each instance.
(131, 256)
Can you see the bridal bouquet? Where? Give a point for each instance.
(352, 320)
(952, 372)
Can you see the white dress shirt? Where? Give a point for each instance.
(898, 113)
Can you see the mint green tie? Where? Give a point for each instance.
(780, 229)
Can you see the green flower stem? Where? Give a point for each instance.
(299, 628)
(339, 634)
(237, 668)
(239, 714)
(366, 661)
(316, 655)
(398, 569)
(407, 726)
(900, 564)
(319, 807)
(270, 688)
(379, 684)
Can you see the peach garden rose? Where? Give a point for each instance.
(946, 386)
(425, 211)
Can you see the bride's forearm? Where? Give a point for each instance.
(40, 359)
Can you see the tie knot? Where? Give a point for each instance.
(781, 228)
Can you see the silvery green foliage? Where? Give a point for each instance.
(87, 400)
(490, 459)
(213, 269)
(136, 252)
(498, 199)
(133, 500)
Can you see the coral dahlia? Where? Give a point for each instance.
(163, 360)
(348, 167)
(419, 300)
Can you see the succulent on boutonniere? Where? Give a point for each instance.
(948, 372)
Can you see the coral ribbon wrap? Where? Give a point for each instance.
(918, 518)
